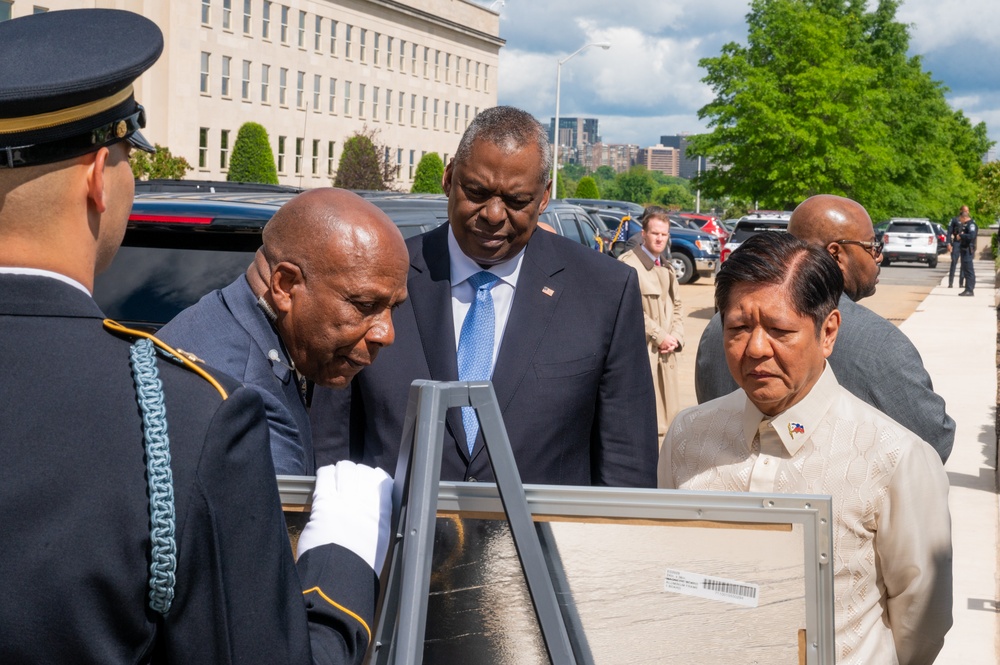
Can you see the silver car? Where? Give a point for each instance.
(910, 239)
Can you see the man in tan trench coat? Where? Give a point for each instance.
(661, 307)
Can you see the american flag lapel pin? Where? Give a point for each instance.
(548, 291)
(795, 428)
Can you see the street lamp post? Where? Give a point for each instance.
(555, 124)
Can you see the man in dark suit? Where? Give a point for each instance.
(279, 332)
(141, 520)
(563, 340)
(872, 359)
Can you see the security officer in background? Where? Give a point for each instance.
(954, 247)
(141, 520)
(966, 232)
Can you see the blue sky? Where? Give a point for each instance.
(649, 82)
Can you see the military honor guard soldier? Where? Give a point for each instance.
(141, 520)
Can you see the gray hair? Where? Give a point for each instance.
(511, 129)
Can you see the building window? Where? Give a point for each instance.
(317, 86)
(413, 110)
(283, 86)
(364, 36)
(375, 104)
(376, 40)
(246, 80)
(247, 6)
(435, 117)
(5, 9)
(361, 100)
(402, 100)
(206, 12)
(203, 147)
(413, 59)
(284, 24)
(437, 65)
(427, 52)
(300, 89)
(333, 95)
(224, 149)
(317, 39)
(298, 155)
(226, 63)
(315, 157)
(265, 26)
(388, 105)
(265, 80)
(399, 160)
(423, 113)
(347, 40)
(447, 67)
(281, 154)
(388, 52)
(347, 98)
(227, 14)
(333, 38)
(444, 126)
(466, 116)
(302, 29)
(456, 116)
(477, 76)
(413, 155)
(467, 72)
(486, 78)
(204, 73)
(329, 157)
(402, 56)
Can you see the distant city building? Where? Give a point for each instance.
(688, 165)
(661, 158)
(619, 156)
(312, 72)
(574, 134)
(990, 156)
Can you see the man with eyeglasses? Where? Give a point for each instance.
(872, 358)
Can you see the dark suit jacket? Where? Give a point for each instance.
(228, 331)
(75, 542)
(571, 374)
(872, 358)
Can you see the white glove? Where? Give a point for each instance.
(351, 507)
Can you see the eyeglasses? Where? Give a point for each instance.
(873, 247)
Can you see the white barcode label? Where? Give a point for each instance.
(711, 588)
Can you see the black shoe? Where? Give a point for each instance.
(950, 285)
(966, 293)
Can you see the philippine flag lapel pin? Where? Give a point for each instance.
(795, 428)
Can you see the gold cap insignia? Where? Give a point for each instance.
(121, 129)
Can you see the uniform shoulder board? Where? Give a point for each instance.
(187, 360)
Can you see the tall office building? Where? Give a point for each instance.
(574, 135)
(312, 72)
(661, 158)
(688, 165)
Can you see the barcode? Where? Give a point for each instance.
(729, 588)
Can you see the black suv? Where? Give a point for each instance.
(180, 244)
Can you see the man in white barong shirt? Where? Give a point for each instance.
(791, 428)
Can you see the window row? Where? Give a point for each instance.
(322, 155)
(321, 34)
(320, 93)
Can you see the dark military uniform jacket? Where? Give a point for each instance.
(75, 540)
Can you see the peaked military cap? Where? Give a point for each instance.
(66, 83)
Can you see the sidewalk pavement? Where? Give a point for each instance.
(957, 339)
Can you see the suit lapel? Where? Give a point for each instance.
(429, 288)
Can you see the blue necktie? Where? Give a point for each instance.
(475, 345)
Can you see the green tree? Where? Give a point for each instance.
(160, 164)
(587, 189)
(427, 179)
(635, 185)
(988, 202)
(360, 166)
(825, 99)
(675, 197)
(252, 159)
(604, 173)
(573, 171)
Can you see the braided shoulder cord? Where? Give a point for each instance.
(149, 391)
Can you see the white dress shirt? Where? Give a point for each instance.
(37, 272)
(462, 293)
(891, 530)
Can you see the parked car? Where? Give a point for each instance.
(910, 239)
(752, 224)
(709, 224)
(942, 238)
(633, 209)
(573, 222)
(180, 245)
